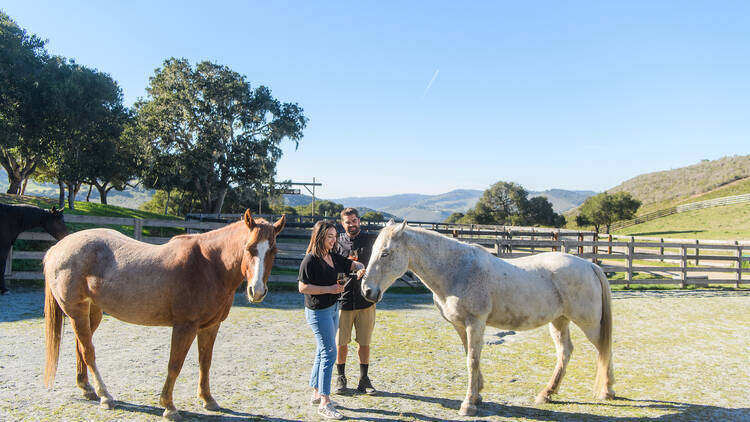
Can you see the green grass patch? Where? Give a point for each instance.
(728, 222)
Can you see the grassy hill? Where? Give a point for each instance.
(657, 190)
(729, 222)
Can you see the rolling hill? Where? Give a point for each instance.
(684, 183)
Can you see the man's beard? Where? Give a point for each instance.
(352, 231)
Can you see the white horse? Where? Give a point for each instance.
(473, 288)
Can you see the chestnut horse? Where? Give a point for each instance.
(188, 283)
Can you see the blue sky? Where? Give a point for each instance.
(427, 97)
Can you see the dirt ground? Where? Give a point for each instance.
(679, 355)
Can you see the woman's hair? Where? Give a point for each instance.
(317, 244)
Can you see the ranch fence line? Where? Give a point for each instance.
(726, 200)
(670, 261)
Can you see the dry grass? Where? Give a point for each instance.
(678, 356)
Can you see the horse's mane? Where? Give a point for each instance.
(227, 227)
(440, 236)
(24, 213)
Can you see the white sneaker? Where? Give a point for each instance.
(329, 412)
(315, 402)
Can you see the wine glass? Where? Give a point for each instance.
(341, 278)
(353, 255)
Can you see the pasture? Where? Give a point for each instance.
(679, 355)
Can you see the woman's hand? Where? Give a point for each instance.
(336, 289)
(360, 274)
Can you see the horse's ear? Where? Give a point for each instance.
(400, 228)
(249, 219)
(279, 225)
(389, 223)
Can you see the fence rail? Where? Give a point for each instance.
(727, 200)
(670, 260)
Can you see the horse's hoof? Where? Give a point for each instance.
(606, 395)
(90, 395)
(107, 403)
(542, 398)
(171, 415)
(467, 410)
(211, 405)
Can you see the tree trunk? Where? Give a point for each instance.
(23, 188)
(72, 193)
(166, 203)
(88, 195)
(14, 185)
(218, 203)
(103, 191)
(61, 201)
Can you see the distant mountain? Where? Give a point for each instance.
(419, 207)
(563, 200)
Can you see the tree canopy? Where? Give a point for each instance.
(213, 129)
(26, 101)
(604, 209)
(507, 203)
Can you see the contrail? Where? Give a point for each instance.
(431, 81)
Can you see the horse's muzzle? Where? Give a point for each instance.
(373, 295)
(256, 299)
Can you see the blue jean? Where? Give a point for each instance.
(324, 323)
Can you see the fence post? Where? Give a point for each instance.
(137, 229)
(533, 239)
(609, 239)
(739, 265)
(580, 245)
(509, 236)
(595, 248)
(697, 253)
(661, 249)
(564, 246)
(683, 265)
(629, 276)
(497, 247)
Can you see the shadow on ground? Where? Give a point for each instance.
(678, 411)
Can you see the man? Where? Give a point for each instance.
(356, 311)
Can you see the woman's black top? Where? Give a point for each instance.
(315, 270)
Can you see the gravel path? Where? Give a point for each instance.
(680, 355)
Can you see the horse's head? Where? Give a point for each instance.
(259, 253)
(53, 223)
(389, 261)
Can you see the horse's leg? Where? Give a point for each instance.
(206, 338)
(474, 340)
(81, 321)
(604, 379)
(182, 337)
(559, 329)
(4, 251)
(461, 330)
(82, 376)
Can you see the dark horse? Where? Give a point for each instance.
(15, 219)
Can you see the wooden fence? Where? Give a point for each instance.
(670, 260)
(727, 200)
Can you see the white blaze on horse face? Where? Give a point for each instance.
(257, 282)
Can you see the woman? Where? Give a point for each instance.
(317, 281)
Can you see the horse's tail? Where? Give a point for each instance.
(605, 376)
(53, 324)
